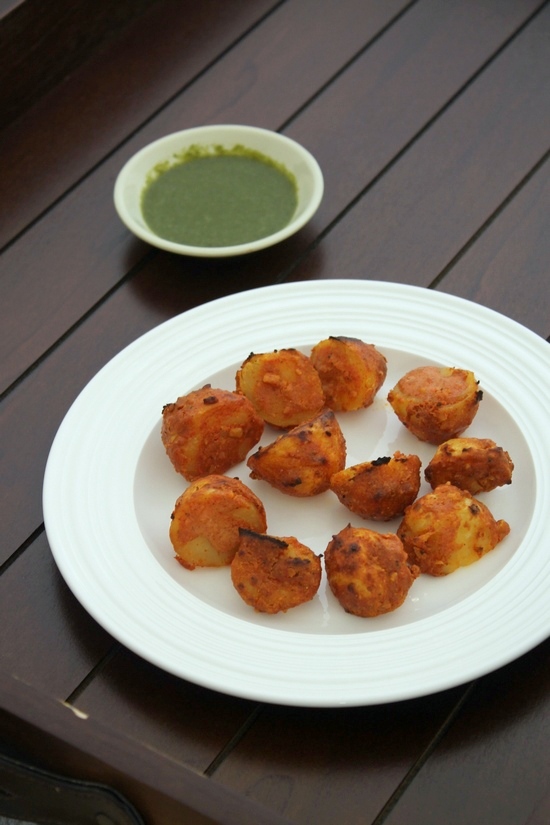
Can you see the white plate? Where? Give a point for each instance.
(109, 491)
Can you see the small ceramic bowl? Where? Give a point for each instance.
(298, 161)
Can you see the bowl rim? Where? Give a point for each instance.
(202, 133)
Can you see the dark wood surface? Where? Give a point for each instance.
(431, 122)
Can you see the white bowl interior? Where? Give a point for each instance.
(294, 157)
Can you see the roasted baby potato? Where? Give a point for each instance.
(302, 461)
(351, 372)
(474, 464)
(204, 530)
(283, 386)
(209, 431)
(447, 529)
(436, 403)
(369, 573)
(379, 489)
(273, 574)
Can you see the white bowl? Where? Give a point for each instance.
(297, 160)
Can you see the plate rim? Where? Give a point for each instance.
(259, 687)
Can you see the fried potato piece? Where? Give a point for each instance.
(447, 529)
(436, 403)
(379, 489)
(209, 431)
(351, 371)
(273, 574)
(302, 461)
(477, 465)
(369, 573)
(204, 530)
(283, 386)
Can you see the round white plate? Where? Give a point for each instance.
(109, 491)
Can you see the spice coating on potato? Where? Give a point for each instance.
(283, 386)
(447, 529)
(436, 403)
(351, 372)
(273, 574)
(379, 489)
(477, 465)
(209, 431)
(302, 461)
(204, 530)
(369, 573)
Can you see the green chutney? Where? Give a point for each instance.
(213, 196)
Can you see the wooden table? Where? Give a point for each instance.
(431, 122)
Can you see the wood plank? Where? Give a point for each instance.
(73, 127)
(84, 249)
(41, 44)
(124, 316)
(48, 619)
(162, 790)
(452, 180)
(383, 102)
(31, 424)
(185, 723)
(512, 250)
(55, 645)
(132, 724)
(33, 411)
(494, 764)
(7, 7)
(306, 44)
(309, 765)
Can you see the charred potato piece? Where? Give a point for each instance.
(477, 465)
(204, 530)
(302, 461)
(209, 431)
(379, 489)
(447, 529)
(351, 372)
(436, 403)
(369, 573)
(283, 386)
(273, 574)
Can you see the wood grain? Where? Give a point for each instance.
(311, 765)
(82, 244)
(70, 130)
(363, 244)
(308, 43)
(163, 791)
(512, 250)
(431, 124)
(42, 44)
(32, 412)
(48, 618)
(493, 765)
(188, 724)
(85, 250)
(452, 180)
(384, 102)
